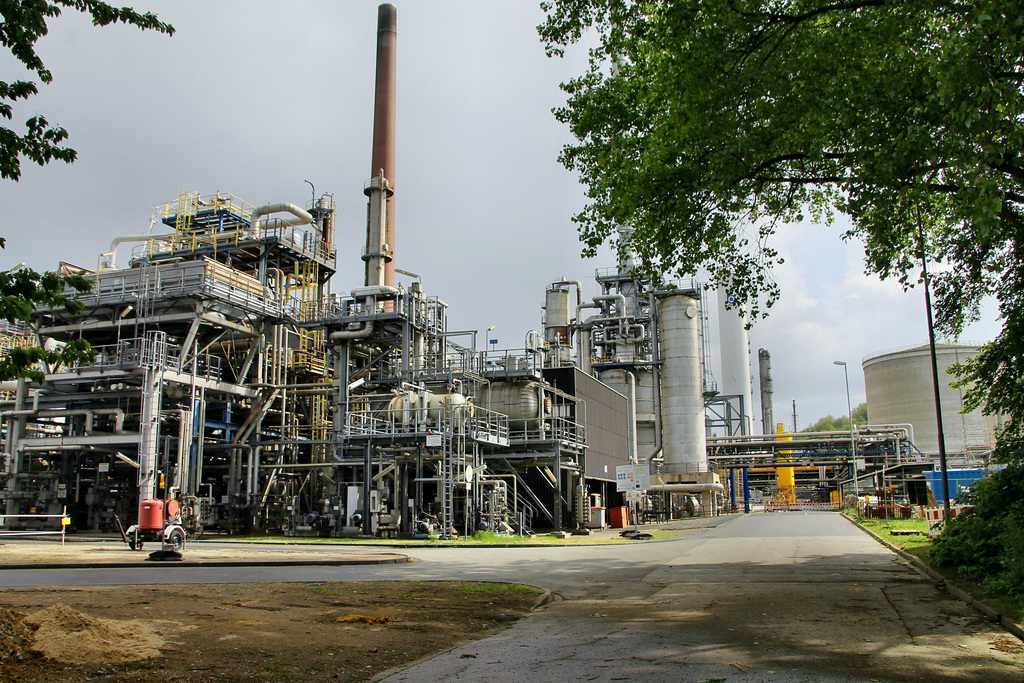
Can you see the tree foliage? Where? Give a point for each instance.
(22, 290)
(841, 423)
(706, 124)
(985, 543)
(24, 23)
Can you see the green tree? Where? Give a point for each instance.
(841, 423)
(22, 290)
(705, 124)
(24, 23)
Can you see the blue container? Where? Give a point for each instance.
(958, 479)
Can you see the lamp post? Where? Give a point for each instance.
(935, 369)
(853, 441)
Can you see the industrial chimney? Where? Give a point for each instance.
(380, 228)
(764, 362)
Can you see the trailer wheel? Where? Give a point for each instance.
(135, 543)
(176, 539)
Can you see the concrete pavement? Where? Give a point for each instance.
(771, 597)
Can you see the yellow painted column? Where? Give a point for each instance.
(786, 477)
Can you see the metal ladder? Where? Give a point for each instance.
(453, 426)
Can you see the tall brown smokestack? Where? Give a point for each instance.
(384, 145)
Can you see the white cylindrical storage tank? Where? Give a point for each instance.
(900, 390)
(734, 343)
(524, 403)
(682, 386)
(557, 314)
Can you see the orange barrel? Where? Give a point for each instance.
(173, 508)
(619, 517)
(151, 515)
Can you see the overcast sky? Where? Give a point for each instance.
(255, 97)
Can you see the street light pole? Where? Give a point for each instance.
(853, 440)
(935, 369)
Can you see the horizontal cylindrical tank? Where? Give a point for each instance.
(451, 405)
(682, 388)
(900, 390)
(524, 403)
(409, 407)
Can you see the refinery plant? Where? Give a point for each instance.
(232, 390)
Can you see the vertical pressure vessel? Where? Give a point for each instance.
(682, 385)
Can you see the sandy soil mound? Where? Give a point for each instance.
(15, 636)
(66, 635)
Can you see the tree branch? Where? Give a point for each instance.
(795, 19)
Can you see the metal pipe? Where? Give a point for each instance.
(302, 217)
(687, 488)
(383, 473)
(87, 412)
(631, 420)
(613, 297)
(656, 384)
(798, 436)
(583, 338)
(579, 289)
(656, 379)
(135, 238)
(362, 333)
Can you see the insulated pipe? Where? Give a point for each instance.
(135, 238)
(577, 285)
(583, 340)
(805, 437)
(302, 217)
(613, 297)
(580, 307)
(252, 475)
(906, 428)
(362, 333)
(657, 416)
(631, 426)
(384, 98)
(686, 488)
(87, 412)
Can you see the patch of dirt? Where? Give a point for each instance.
(345, 631)
(66, 635)
(15, 636)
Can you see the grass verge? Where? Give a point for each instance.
(919, 545)
(916, 544)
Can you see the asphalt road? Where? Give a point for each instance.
(765, 597)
